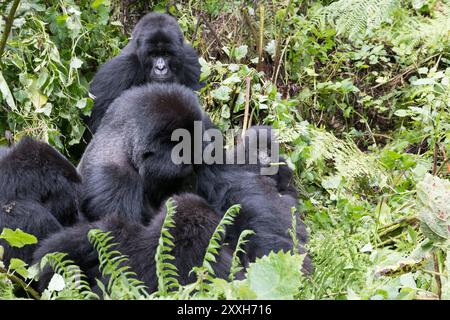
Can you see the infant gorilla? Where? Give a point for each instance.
(195, 222)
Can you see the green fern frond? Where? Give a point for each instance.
(349, 163)
(354, 18)
(337, 266)
(218, 236)
(166, 272)
(235, 261)
(122, 281)
(293, 230)
(75, 284)
(430, 33)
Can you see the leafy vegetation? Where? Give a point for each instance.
(360, 93)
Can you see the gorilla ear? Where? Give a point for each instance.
(191, 68)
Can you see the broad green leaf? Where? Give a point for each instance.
(433, 206)
(6, 93)
(270, 48)
(240, 52)
(424, 81)
(234, 78)
(46, 109)
(222, 93)
(17, 238)
(205, 68)
(18, 266)
(97, 3)
(276, 276)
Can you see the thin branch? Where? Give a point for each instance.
(249, 23)
(437, 276)
(213, 31)
(278, 40)
(194, 36)
(8, 26)
(261, 36)
(247, 105)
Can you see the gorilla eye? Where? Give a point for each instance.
(147, 154)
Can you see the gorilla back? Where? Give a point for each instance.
(38, 192)
(195, 222)
(156, 53)
(127, 168)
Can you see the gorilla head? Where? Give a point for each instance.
(127, 168)
(158, 40)
(258, 148)
(156, 53)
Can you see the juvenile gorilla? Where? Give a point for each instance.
(127, 168)
(257, 147)
(156, 53)
(195, 223)
(264, 209)
(38, 192)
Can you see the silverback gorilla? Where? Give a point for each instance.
(195, 223)
(38, 192)
(156, 52)
(127, 168)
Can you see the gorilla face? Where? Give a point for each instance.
(170, 107)
(157, 52)
(159, 47)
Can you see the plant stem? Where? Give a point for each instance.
(247, 105)
(261, 36)
(437, 276)
(8, 25)
(21, 283)
(278, 40)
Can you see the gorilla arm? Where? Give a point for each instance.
(114, 77)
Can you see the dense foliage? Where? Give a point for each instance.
(360, 91)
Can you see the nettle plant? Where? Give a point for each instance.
(428, 101)
(234, 87)
(51, 55)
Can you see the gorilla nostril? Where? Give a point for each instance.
(160, 67)
(160, 64)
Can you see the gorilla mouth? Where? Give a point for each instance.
(160, 77)
(162, 72)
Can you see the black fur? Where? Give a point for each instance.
(263, 209)
(195, 223)
(3, 151)
(127, 167)
(38, 192)
(155, 36)
(284, 177)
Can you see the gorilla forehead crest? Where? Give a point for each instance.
(164, 103)
(161, 27)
